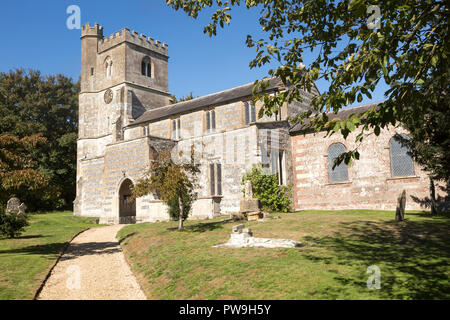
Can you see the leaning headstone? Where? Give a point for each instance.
(401, 205)
(15, 207)
(12, 206)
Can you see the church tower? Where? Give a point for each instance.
(122, 76)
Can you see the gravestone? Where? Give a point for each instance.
(401, 204)
(250, 207)
(14, 206)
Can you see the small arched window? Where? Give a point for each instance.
(340, 172)
(402, 164)
(146, 67)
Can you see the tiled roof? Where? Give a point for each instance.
(208, 100)
(342, 114)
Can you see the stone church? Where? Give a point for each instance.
(127, 117)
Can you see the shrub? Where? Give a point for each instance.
(174, 207)
(12, 225)
(272, 196)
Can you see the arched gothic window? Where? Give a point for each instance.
(146, 67)
(340, 172)
(402, 164)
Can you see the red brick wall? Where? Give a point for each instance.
(370, 183)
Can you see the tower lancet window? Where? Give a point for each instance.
(146, 67)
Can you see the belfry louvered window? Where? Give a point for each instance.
(146, 67)
(402, 164)
(340, 172)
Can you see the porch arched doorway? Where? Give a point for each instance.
(127, 207)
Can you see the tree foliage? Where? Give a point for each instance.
(409, 51)
(430, 145)
(272, 196)
(20, 174)
(33, 104)
(12, 225)
(175, 182)
(182, 99)
(430, 140)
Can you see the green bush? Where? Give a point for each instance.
(272, 196)
(12, 225)
(174, 208)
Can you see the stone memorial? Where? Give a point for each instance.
(14, 206)
(242, 237)
(250, 207)
(401, 205)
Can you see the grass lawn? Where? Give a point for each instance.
(413, 256)
(26, 260)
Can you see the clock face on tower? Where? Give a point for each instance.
(108, 96)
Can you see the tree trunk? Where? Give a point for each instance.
(433, 197)
(180, 218)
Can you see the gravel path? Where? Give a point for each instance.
(93, 268)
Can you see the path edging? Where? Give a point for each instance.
(38, 292)
(129, 266)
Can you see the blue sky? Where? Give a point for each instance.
(35, 36)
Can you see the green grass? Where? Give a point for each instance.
(414, 258)
(26, 260)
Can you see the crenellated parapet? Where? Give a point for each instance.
(125, 35)
(94, 31)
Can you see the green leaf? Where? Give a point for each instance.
(377, 131)
(350, 126)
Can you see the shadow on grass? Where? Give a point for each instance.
(126, 237)
(42, 249)
(73, 251)
(88, 249)
(427, 214)
(413, 257)
(36, 236)
(203, 226)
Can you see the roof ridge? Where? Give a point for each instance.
(209, 94)
(199, 100)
